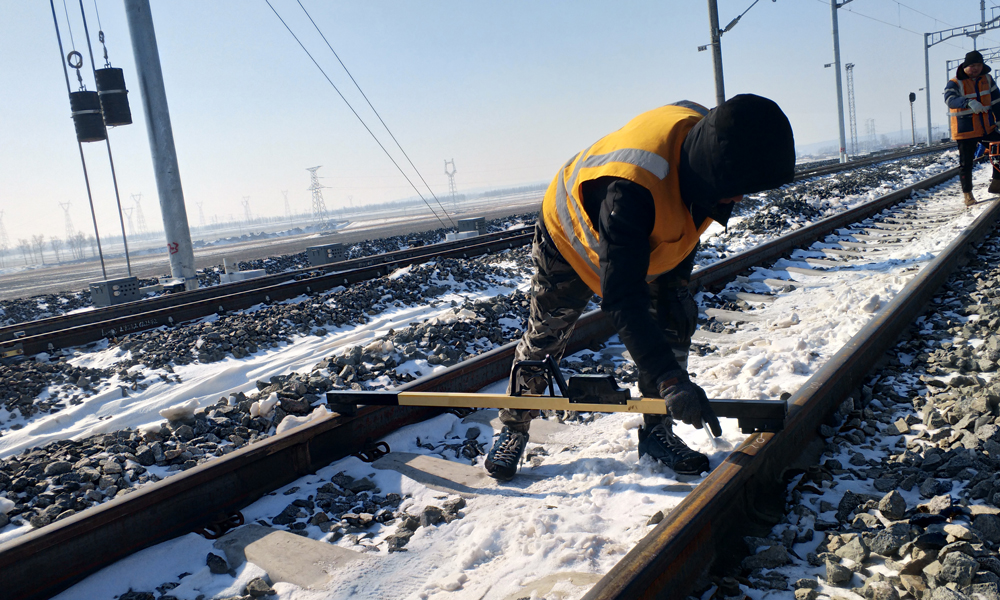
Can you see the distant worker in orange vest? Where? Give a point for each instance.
(622, 219)
(972, 98)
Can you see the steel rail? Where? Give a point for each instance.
(864, 162)
(131, 322)
(702, 530)
(84, 543)
(46, 325)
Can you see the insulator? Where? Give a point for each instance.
(86, 110)
(114, 96)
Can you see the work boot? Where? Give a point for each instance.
(995, 186)
(501, 462)
(662, 444)
(970, 200)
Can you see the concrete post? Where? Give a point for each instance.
(927, 83)
(840, 88)
(713, 22)
(161, 142)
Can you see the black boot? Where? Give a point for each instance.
(662, 444)
(501, 462)
(995, 186)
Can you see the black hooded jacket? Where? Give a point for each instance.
(715, 163)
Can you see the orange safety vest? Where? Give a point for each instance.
(964, 123)
(646, 151)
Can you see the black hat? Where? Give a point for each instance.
(972, 58)
(743, 146)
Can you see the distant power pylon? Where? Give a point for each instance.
(288, 208)
(246, 209)
(201, 214)
(4, 240)
(850, 107)
(451, 179)
(870, 131)
(70, 230)
(318, 205)
(128, 216)
(140, 220)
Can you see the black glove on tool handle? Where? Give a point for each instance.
(688, 402)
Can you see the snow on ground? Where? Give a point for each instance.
(583, 499)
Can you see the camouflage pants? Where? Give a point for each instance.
(558, 298)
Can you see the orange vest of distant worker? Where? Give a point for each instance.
(964, 123)
(645, 151)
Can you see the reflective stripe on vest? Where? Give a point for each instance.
(964, 123)
(640, 152)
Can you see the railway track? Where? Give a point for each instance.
(82, 328)
(676, 551)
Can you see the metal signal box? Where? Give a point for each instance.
(115, 291)
(324, 255)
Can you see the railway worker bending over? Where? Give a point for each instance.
(972, 98)
(622, 219)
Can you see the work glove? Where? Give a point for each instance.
(687, 402)
(977, 106)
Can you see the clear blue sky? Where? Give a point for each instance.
(509, 90)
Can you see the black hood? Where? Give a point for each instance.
(743, 146)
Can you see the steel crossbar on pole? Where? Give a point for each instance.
(936, 37)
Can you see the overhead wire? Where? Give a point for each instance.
(936, 20)
(362, 121)
(877, 20)
(365, 96)
(69, 26)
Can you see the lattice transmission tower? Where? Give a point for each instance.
(140, 220)
(870, 132)
(246, 209)
(128, 217)
(201, 213)
(70, 230)
(850, 107)
(451, 180)
(318, 204)
(288, 208)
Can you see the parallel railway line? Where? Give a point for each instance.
(82, 328)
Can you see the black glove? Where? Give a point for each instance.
(688, 402)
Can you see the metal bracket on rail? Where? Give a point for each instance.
(583, 393)
(220, 524)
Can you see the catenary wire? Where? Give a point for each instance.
(854, 12)
(69, 26)
(365, 96)
(363, 124)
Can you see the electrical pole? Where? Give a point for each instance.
(68, 222)
(246, 210)
(716, 43)
(161, 142)
(451, 180)
(850, 106)
(288, 208)
(834, 5)
(318, 204)
(913, 129)
(140, 219)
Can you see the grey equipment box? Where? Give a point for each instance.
(115, 291)
(477, 224)
(324, 255)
